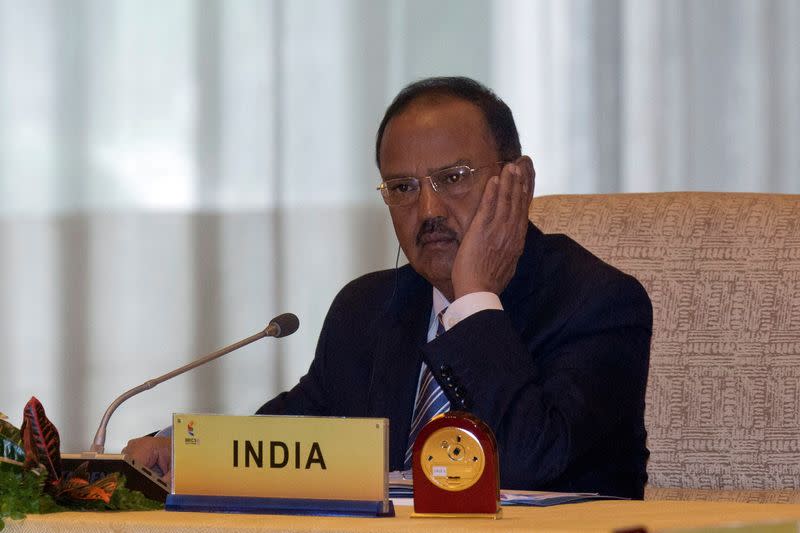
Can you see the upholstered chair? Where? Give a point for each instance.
(723, 273)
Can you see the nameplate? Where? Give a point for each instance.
(280, 457)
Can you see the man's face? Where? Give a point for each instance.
(425, 137)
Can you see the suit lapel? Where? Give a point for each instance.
(398, 356)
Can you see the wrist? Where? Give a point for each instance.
(463, 290)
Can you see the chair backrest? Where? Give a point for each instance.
(723, 273)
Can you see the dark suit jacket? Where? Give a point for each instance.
(559, 375)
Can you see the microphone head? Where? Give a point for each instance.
(283, 325)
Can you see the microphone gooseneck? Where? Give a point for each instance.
(280, 326)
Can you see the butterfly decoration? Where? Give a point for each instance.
(76, 487)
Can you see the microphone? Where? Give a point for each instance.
(283, 325)
(280, 326)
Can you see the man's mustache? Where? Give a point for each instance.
(436, 226)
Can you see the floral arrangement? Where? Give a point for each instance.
(31, 479)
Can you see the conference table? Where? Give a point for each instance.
(606, 516)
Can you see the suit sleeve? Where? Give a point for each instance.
(335, 380)
(549, 401)
(309, 397)
(305, 398)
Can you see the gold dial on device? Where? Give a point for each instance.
(452, 458)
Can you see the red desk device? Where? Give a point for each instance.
(455, 468)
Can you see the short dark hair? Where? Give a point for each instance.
(496, 113)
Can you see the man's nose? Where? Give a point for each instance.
(430, 202)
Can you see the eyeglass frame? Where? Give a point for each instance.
(429, 177)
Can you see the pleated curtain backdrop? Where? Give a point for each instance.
(173, 174)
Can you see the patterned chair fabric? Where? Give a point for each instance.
(723, 273)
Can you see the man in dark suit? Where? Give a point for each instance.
(530, 332)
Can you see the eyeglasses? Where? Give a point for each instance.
(449, 182)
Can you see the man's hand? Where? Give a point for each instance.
(488, 254)
(151, 452)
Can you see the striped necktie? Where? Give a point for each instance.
(431, 399)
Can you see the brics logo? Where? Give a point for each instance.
(191, 432)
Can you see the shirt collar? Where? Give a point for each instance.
(439, 301)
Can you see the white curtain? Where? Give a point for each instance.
(173, 174)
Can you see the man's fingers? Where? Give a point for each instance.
(506, 193)
(508, 210)
(150, 452)
(511, 173)
(164, 460)
(136, 451)
(518, 193)
(488, 205)
(519, 208)
(527, 189)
